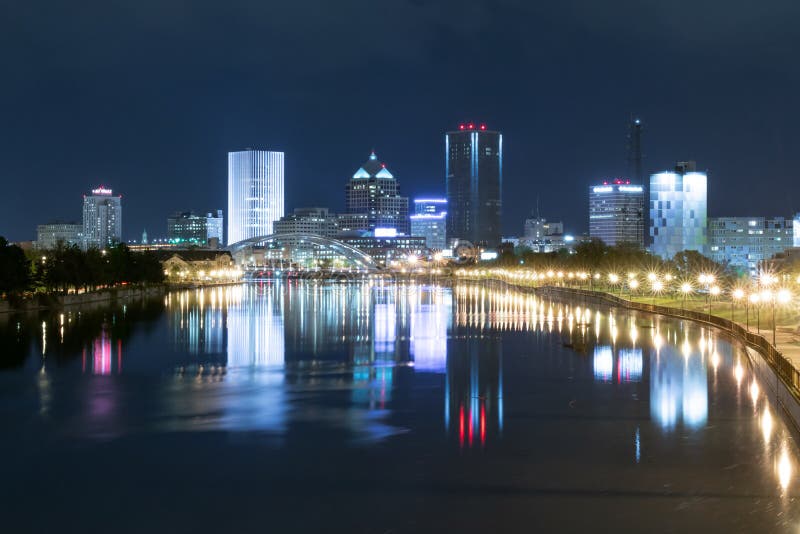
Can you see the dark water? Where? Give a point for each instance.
(369, 408)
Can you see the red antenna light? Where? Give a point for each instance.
(483, 126)
(471, 126)
(460, 126)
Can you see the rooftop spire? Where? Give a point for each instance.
(372, 155)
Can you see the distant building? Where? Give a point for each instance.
(102, 218)
(388, 246)
(48, 236)
(317, 221)
(186, 228)
(541, 235)
(678, 210)
(616, 212)
(373, 199)
(255, 193)
(474, 173)
(429, 221)
(744, 242)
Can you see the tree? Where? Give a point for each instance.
(15, 268)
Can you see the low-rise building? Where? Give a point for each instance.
(186, 228)
(48, 236)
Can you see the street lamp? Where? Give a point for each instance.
(736, 294)
(657, 287)
(686, 288)
(613, 279)
(632, 285)
(755, 298)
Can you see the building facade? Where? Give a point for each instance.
(255, 193)
(678, 210)
(318, 221)
(474, 174)
(186, 228)
(48, 236)
(744, 242)
(616, 212)
(102, 218)
(372, 196)
(541, 235)
(386, 248)
(429, 221)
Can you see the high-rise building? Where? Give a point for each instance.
(429, 221)
(318, 221)
(616, 212)
(102, 218)
(678, 210)
(255, 193)
(186, 228)
(744, 242)
(373, 192)
(474, 173)
(636, 173)
(48, 236)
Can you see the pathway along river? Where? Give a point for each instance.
(357, 407)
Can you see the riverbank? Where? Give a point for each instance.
(775, 371)
(91, 298)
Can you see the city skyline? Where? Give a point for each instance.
(191, 101)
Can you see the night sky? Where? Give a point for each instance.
(147, 97)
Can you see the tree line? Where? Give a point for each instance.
(68, 268)
(594, 255)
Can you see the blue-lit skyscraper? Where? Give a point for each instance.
(678, 210)
(474, 171)
(255, 193)
(429, 221)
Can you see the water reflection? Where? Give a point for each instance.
(352, 358)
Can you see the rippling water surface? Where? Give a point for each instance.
(361, 407)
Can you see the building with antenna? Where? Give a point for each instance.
(635, 171)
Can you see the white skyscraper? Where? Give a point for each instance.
(678, 210)
(255, 193)
(102, 218)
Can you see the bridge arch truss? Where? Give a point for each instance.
(301, 249)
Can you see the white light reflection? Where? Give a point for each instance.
(603, 363)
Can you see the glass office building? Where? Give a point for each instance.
(474, 173)
(429, 221)
(678, 210)
(186, 228)
(48, 236)
(616, 212)
(255, 193)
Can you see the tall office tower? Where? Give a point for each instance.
(635, 172)
(102, 218)
(373, 199)
(474, 171)
(743, 243)
(255, 193)
(429, 221)
(186, 228)
(616, 212)
(678, 210)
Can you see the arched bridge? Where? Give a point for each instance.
(302, 248)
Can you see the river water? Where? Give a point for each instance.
(379, 407)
